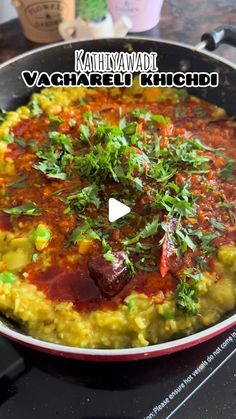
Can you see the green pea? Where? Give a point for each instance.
(7, 138)
(41, 236)
(132, 304)
(8, 277)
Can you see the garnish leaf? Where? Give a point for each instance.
(187, 298)
(53, 164)
(147, 116)
(217, 224)
(206, 242)
(7, 138)
(84, 133)
(19, 183)
(160, 119)
(149, 230)
(228, 170)
(81, 232)
(3, 115)
(88, 195)
(23, 143)
(28, 208)
(35, 107)
(109, 256)
(130, 265)
(55, 121)
(62, 140)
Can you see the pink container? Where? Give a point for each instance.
(144, 14)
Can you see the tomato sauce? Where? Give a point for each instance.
(5, 222)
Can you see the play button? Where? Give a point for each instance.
(116, 210)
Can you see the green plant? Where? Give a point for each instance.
(92, 10)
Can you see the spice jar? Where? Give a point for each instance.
(40, 19)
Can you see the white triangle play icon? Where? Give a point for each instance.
(116, 210)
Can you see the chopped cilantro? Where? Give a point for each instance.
(61, 140)
(141, 114)
(89, 117)
(180, 237)
(130, 266)
(149, 230)
(20, 141)
(82, 232)
(160, 119)
(179, 110)
(84, 100)
(28, 208)
(181, 156)
(109, 256)
(72, 122)
(187, 297)
(225, 205)
(147, 116)
(106, 247)
(23, 143)
(19, 183)
(105, 161)
(162, 171)
(3, 115)
(228, 206)
(35, 107)
(201, 262)
(84, 133)
(130, 129)
(143, 264)
(55, 121)
(176, 200)
(53, 164)
(217, 224)
(191, 273)
(79, 200)
(228, 170)
(138, 183)
(206, 242)
(184, 239)
(122, 123)
(7, 138)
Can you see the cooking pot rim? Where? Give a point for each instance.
(127, 39)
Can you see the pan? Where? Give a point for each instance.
(172, 57)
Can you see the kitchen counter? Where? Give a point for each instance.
(182, 21)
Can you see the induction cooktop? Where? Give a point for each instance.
(198, 383)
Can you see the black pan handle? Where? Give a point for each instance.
(222, 35)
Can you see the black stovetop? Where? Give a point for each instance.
(198, 383)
